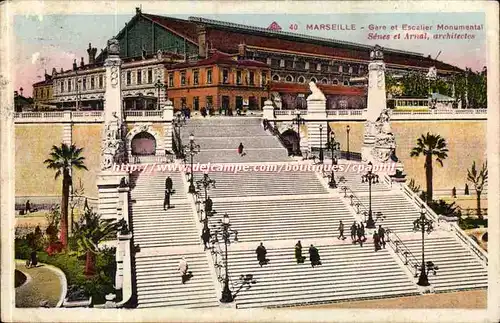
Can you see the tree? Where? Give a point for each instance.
(478, 178)
(90, 230)
(63, 159)
(429, 146)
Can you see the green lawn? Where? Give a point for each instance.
(44, 285)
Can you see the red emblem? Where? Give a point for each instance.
(274, 26)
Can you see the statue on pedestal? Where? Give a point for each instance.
(316, 93)
(385, 142)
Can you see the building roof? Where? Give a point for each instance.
(327, 89)
(219, 58)
(183, 28)
(44, 82)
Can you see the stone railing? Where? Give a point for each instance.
(346, 112)
(473, 246)
(439, 112)
(85, 116)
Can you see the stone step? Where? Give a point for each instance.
(234, 142)
(347, 272)
(251, 156)
(161, 286)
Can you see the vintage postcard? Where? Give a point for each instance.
(260, 161)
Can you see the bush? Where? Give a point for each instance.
(22, 249)
(472, 223)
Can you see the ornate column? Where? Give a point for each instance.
(168, 117)
(316, 109)
(113, 152)
(376, 101)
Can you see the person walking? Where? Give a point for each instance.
(376, 241)
(353, 232)
(28, 207)
(362, 226)
(168, 191)
(208, 206)
(298, 253)
(360, 234)
(341, 231)
(261, 254)
(314, 256)
(205, 236)
(381, 234)
(240, 149)
(183, 270)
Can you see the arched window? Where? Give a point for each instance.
(346, 82)
(324, 81)
(313, 79)
(335, 82)
(276, 77)
(301, 79)
(289, 78)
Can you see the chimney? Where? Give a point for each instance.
(54, 72)
(242, 48)
(82, 63)
(137, 10)
(74, 65)
(92, 52)
(21, 91)
(202, 41)
(47, 76)
(62, 71)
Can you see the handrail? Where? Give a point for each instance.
(402, 251)
(352, 196)
(476, 249)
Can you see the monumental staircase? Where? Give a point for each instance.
(278, 209)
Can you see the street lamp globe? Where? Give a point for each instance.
(348, 128)
(225, 219)
(191, 137)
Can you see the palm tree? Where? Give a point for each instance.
(90, 230)
(478, 179)
(63, 159)
(430, 145)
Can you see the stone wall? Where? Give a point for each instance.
(466, 143)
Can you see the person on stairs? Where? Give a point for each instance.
(261, 254)
(314, 256)
(240, 149)
(381, 234)
(341, 231)
(168, 191)
(353, 232)
(298, 253)
(208, 206)
(362, 226)
(360, 234)
(205, 236)
(376, 241)
(183, 270)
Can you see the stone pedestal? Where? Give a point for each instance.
(316, 110)
(168, 117)
(108, 183)
(123, 244)
(268, 110)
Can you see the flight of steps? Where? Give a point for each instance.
(163, 238)
(348, 272)
(159, 283)
(353, 181)
(459, 269)
(263, 184)
(398, 211)
(298, 218)
(251, 155)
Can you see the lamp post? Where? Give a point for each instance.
(334, 146)
(321, 157)
(348, 129)
(159, 85)
(370, 178)
(299, 121)
(206, 182)
(193, 150)
(225, 231)
(423, 224)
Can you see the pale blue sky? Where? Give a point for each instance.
(57, 39)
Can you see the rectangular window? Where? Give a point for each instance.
(92, 83)
(268, 61)
(69, 85)
(62, 86)
(150, 76)
(289, 64)
(210, 102)
(209, 76)
(238, 77)
(195, 77)
(264, 78)
(84, 83)
(306, 65)
(251, 77)
(225, 76)
(139, 77)
(282, 63)
(183, 78)
(318, 67)
(196, 103)
(171, 80)
(340, 69)
(350, 69)
(101, 81)
(129, 77)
